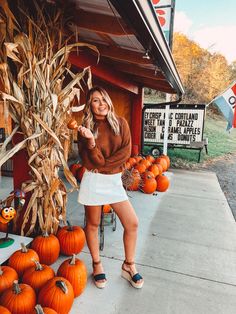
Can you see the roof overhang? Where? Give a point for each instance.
(123, 32)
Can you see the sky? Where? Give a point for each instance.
(211, 24)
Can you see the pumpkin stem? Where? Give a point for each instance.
(70, 227)
(39, 309)
(23, 248)
(1, 271)
(45, 234)
(72, 261)
(38, 265)
(16, 287)
(62, 285)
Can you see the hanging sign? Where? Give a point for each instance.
(185, 124)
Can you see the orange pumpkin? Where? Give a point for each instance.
(163, 183)
(145, 162)
(4, 310)
(7, 277)
(107, 208)
(154, 169)
(167, 160)
(37, 276)
(47, 247)
(43, 310)
(149, 185)
(72, 124)
(127, 165)
(22, 259)
(19, 299)
(150, 158)
(146, 174)
(57, 294)
(75, 271)
(132, 161)
(72, 239)
(140, 167)
(163, 163)
(160, 168)
(138, 158)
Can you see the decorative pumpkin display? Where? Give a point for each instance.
(163, 163)
(162, 183)
(167, 160)
(75, 271)
(4, 310)
(107, 208)
(47, 247)
(43, 310)
(80, 172)
(72, 239)
(72, 124)
(37, 276)
(19, 299)
(149, 185)
(154, 169)
(140, 167)
(7, 277)
(74, 168)
(22, 259)
(57, 294)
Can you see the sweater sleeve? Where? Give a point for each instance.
(123, 153)
(93, 154)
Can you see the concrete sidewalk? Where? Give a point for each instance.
(186, 253)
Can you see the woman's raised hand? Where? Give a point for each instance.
(84, 132)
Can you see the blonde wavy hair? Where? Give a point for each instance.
(88, 118)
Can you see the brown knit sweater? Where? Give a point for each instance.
(111, 151)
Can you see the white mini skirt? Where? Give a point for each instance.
(101, 189)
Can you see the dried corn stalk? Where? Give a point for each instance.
(33, 68)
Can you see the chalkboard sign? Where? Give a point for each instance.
(185, 125)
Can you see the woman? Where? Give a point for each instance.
(104, 146)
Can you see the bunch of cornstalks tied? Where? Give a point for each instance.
(33, 90)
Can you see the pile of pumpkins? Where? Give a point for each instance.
(147, 173)
(28, 285)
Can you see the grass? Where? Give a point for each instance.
(220, 143)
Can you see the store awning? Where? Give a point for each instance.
(130, 41)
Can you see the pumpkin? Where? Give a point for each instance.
(57, 294)
(22, 259)
(140, 167)
(80, 172)
(150, 158)
(167, 160)
(107, 208)
(145, 162)
(7, 277)
(72, 239)
(134, 180)
(75, 271)
(43, 310)
(132, 161)
(149, 185)
(4, 310)
(74, 168)
(162, 183)
(19, 299)
(138, 158)
(146, 174)
(154, 169)
(47, 247)
(160, 168)
(127, 165)
(72, 124)
(163, 163)
(37, 276)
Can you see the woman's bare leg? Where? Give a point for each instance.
(129, 220)
(93, 217)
